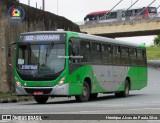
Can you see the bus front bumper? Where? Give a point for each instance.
(62, 90)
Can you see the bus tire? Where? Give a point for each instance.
(41, 99)
(124, 93)
(84, 97)
(93, 96)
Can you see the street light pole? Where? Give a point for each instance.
(43, 5)
(28, 2)
(57, 7)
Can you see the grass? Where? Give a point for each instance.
(153, 53)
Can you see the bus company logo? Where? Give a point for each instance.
(16, 14)
(6, 117)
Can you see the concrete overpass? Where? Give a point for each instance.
(124, 28)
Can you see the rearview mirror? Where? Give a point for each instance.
(9, 49)
(9, 52)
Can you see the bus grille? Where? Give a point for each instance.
(32, 90)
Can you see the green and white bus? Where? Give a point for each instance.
(64, 64)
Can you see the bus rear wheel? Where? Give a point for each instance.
(124, 93)
(85, 93)
(41, 99)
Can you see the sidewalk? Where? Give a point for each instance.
(12, 98)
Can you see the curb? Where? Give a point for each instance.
(14, 100)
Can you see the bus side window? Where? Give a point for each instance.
(85, 51)
(133, 56)
(125, 56)
(140, 57)
(107, 53)
(144, 58)
(116, 55)
(96, 53)
(74, 50)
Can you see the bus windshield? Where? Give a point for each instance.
(40, 59)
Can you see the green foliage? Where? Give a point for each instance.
(157, 40)
(153, 53)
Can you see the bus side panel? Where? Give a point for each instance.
(102, 77)
(110, 78)
(142, 77)
(77, 78)
(133, 75)
(119, 75)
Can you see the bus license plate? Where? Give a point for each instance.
(38, 93)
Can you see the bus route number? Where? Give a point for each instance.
(29, 38)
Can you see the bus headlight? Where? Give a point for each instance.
(18, 82)
(61, 81)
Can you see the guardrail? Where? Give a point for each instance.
(129, 20)
(154, 63)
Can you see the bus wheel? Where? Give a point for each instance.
(41, 99)
(124, 93)
(85, 93)
(93, 96)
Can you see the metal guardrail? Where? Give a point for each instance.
(127, 20)
(154, 63)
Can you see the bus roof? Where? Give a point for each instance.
(91, 37)
(42, 32)
(98, 12)
(109, 40)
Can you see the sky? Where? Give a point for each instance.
(75, 10)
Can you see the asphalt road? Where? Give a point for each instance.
(145, 101)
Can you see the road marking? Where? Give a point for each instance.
(100, 111)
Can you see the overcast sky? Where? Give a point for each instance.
(75, 10)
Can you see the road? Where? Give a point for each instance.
(145, 101)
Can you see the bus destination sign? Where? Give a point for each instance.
(43, 37)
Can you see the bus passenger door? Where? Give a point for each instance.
(75, 70)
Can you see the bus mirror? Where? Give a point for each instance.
(9, 52)
(9, 49)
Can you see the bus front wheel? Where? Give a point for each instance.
(41, 99)
(124, 93)
(85, 93)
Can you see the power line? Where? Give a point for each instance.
(124, 12)
(109, 11)
(142, 10)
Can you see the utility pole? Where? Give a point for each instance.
(57, 7)
(43, 5)
(28, 2)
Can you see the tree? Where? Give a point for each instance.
(157, 40)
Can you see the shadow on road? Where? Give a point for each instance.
(73, 101)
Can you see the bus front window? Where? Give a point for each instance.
(40, 59)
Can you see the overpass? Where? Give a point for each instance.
(124, 28)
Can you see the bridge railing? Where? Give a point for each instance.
(129, 20)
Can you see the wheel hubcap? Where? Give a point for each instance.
(127, 89)
(84, 93)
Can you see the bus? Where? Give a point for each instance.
(121, 15)
(64, 64)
